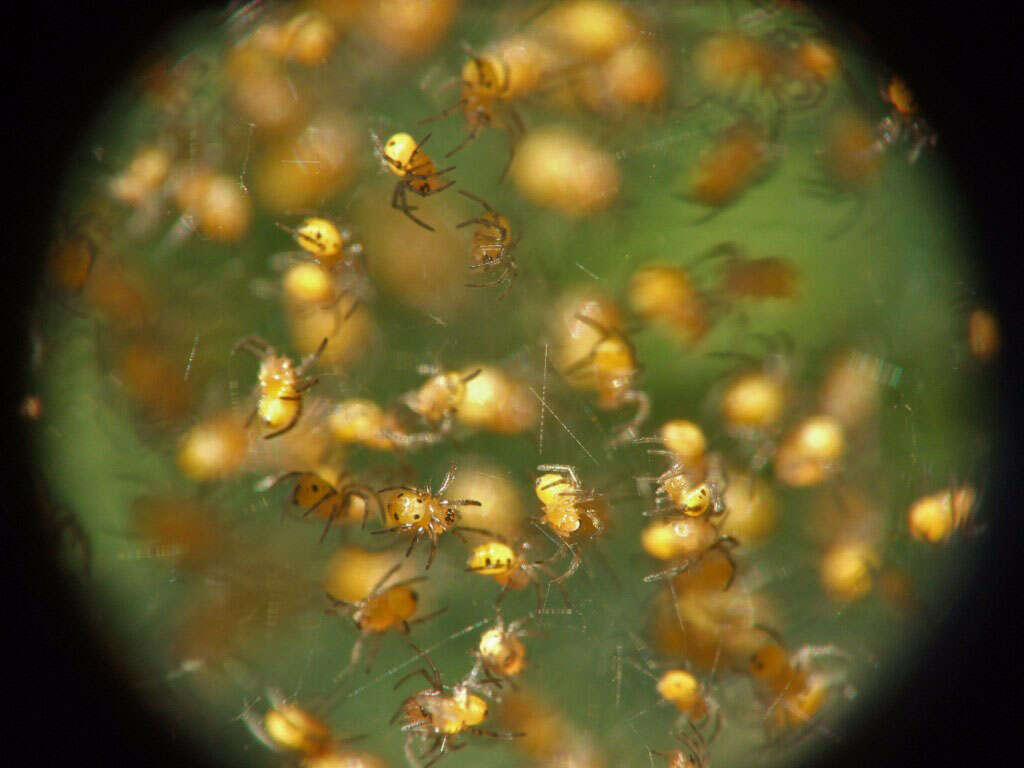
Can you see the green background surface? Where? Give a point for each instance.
(896, 284)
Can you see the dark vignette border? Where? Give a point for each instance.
(68, 702)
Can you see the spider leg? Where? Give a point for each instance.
(410, 756)
(643, 409)
(449, 476)
(502, 278)
(355, 655)
(420, 143)
(337, 604)
(605, 333)
(397, 529)
(334, 514)
(407, 582)
(482, 532)
(510, 272)
(579, 365)
(564, 594)
(411, 675)
(376, 588)
(427, 617)
(480, 200)
(563, 469)
(443, 187)
(272, 481)
(305, 364)
(595, 521)
(287, 427)
(254, 345)
(516, 132)
(433, 552)
(435, 674)
(443, 113)
(473, 133)
(488, 263)
(254, 723)
(399, 202)
(374, 650)
(309, 510)
(668, 573)
(506, 588)
(366, 494)
(496, 734)
(716, 723)
(724, 545)
(440, 753)
(408, 440)
(412, 544)
(573, 566)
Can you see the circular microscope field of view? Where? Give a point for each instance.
(575, 383)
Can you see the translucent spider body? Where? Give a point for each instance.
(811, 453)
(730, 166)
(848, 569)
(306, 38)
(677, 487)
(790, 73)
(692, 526)
(492, 245)
(440, 715)
(755, 399)
(501, 652)
(688, 539)
(140, 182)
(70, 261)
(904, 122)
(814, 64)
(726, 62)
(214, 448)
(423, 514)
(666, 296)
(611, 369)
(364, 422)
(743, 277)
(281, 384)
(934, 518)
(983, 335)
(691, 698)
(509, 567)
(564, 170)
(692, 754)
(496, 401)
(287, 727)
(325, 494)
(325, 243)
(685, 443)
(437, 402)
(569, 510)
(694, 483)
(485, 101)
(177, 529)
(439, 397)
(794, 693)
(416, 172)
(384, 608)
